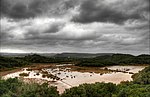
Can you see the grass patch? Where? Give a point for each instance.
(23, 74)
(29, 69)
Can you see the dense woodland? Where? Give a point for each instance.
(139, 87)
(115, 59)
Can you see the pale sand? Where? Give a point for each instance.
(75, 78)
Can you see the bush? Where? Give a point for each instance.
(91, 90)
(15, 88)
(23, 74)
(143, 77)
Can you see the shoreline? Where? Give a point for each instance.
(47, 65)
(69, 76)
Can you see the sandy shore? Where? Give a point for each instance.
(70, 76)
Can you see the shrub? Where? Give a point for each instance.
(23, 74)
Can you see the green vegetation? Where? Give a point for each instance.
(108, 90)
(42, 59)
(10, 62)
(16, 88)
(23, 74)
(143, 77)
(132, 90)
(115, 59)
(91, 90)
(139, 87)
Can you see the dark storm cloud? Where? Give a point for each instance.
(70, 3)
(118, 12)
(19, 9)
(4, 6)
(97, 25)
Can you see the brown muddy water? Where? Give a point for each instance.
(64, 77)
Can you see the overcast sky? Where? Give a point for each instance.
(93, 26)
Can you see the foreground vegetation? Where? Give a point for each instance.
(115, 59)
(139, 87)
(16, 88)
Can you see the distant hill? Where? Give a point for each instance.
(14, 54)
(68, 55)
(61, 55)
(81, 55)
(80, 59)
(26, 54)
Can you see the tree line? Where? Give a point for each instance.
(115, 59)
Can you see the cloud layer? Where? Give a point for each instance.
(114, 12)
(120, 26)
